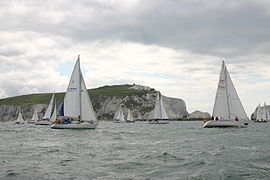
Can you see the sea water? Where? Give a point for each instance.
(178, 150)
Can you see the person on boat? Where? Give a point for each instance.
(79, 119)
(212, 118)
(216, 119)
(68, 121)
(236, 119)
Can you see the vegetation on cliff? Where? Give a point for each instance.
(44, 98)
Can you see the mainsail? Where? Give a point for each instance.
(35, 116)
(159, 110)
(72, 97)
(267, 114)
(119, 115)
(49, 109)
(262, 113)
(259, 113)
(54, 114)
(20, 118)
(227, 103)
(129, 116)
(77, 102)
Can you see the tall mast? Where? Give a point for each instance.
(160, 105)
(80, 101)
(226, 86)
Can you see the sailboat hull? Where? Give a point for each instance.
(225, 124)
(130, 121)
(75, 126)
(31, 122)
(43, 123)
(158, 122)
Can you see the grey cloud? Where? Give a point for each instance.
(219, 28)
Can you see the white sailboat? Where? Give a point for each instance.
(78, 109)
(130, 118)
(20, 119)
(49, 112)
(228, 110)
(119, 115)
(160, 115)
(139, 116)
(34, 118)
(266, 114)
(262, 114)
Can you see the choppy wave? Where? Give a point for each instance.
(179, 150)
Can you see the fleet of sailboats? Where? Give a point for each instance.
(78, 109)
(78, 112)
(228, 110)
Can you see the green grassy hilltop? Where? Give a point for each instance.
(44, 98)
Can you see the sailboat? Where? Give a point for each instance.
(78, 109)
(119, 115)
(49, 112)
(20, 119)
(34, 118)
(262, 114)
(130, 118)
(160, 115)
(228, 110)
(139, 116)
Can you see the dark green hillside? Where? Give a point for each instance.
(115, 90)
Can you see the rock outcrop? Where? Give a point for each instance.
(199, 115)
(140, 101)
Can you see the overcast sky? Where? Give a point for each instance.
(174, 46)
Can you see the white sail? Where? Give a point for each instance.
(259, 113)
(54, 114)
(264, 113)
(72, 97)
(129, 116)
(35, 116)
(139, 116)
(227, 103)
(20, 118)
(87, 110)
(267, 114)
(119, 114)
(49, 109)
(159, 110)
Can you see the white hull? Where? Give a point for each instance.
(75, 126)
(260, 121)
(129, 121)
(118, 121)
(18, 122)
(158, 122)
(43, 123)
(225, 124)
